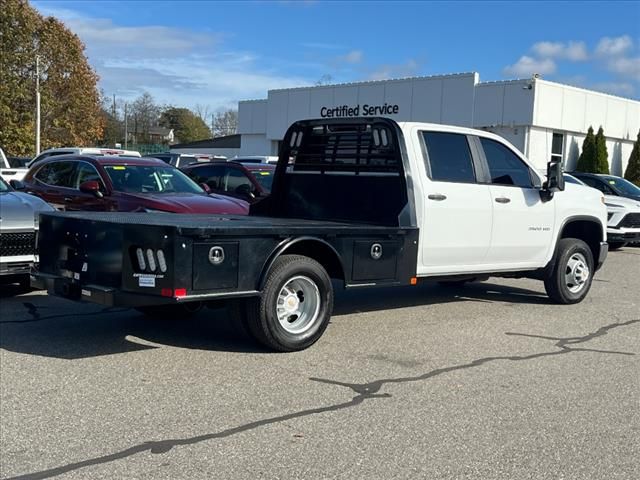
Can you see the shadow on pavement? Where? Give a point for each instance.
(52, 327)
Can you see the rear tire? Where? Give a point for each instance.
(616, 245)
(295, 306)
(571, 273)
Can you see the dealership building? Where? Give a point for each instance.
(541, 118)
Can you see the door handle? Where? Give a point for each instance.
(68, 199)
(503, 200)
(438, 197)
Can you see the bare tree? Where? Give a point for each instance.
(203, 112)
(325, 79)
(225, 122)
(145, 114)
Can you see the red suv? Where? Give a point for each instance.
(73, 182)
(249, 181)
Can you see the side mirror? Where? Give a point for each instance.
(91, 186)
(17, 185)
(205, 187)
(245, 191)
(555, 179)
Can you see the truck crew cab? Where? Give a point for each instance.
(366, 201)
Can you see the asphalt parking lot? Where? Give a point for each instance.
(485, 381)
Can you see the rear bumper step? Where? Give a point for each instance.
(112, 297)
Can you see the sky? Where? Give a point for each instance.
(213, 54)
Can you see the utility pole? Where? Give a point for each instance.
(37, 104)
(212, 130)
(126, 133)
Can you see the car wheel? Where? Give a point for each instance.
(571, 273)
(295, 306)
(616, 245)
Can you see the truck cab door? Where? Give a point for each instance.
(455, 228)
(523, 224)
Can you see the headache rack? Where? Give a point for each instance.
(344, 146)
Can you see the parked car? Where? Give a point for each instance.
(81, 182)
(610, 184)
(179, 160)
(623, 218)
(18, 162)
(255, 159)
(95, 152)
(10, 171)
(250, 181)
(19, 215)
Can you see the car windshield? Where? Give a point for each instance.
(264, 178)
(623, 186)
(3, 185)
(150, 179)
(570, 179)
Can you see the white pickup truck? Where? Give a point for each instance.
(8, 172)
(366, 201)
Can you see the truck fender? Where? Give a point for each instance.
(594, 243)
(287, 244)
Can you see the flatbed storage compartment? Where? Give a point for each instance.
(135, 259)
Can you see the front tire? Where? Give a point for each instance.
(571, 273)
(295, 306)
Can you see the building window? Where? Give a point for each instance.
(557, 147)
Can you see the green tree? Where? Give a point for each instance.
(632, 173)
(187, 126)
(602, 156)
(70, 103)
(587, 159)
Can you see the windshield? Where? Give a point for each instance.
(570, 179)
(623, 186)
(150, 179)
(3, 185)
(264, 178)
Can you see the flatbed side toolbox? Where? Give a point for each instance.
(215, 265)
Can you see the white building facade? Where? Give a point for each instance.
(541, 118)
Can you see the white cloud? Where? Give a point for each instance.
(386, 71)
(177, 66)
(353, 57)
(574, 51)
(615, 88)
(608, 46)
(626, 67)
(527, 66)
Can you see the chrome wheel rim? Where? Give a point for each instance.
(298, 305)
(577, 273)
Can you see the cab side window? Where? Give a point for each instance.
(505, 167)
(449, 157)
(212, 176)
(57, 174)
(235, 179)
(87, 173)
